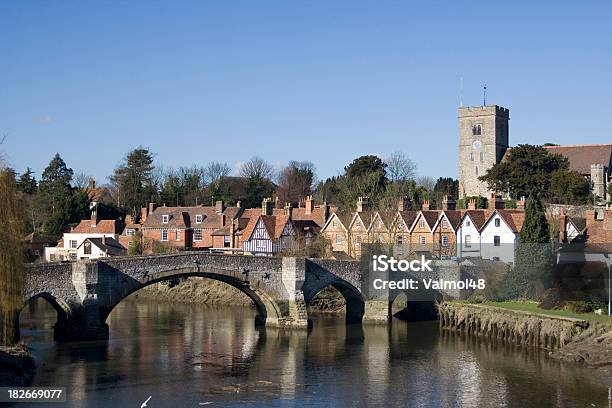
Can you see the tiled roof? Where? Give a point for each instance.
(454, 217)
(513, 218)
(274, 225)
(431, 216)
(317, 215)
(408, 217)
(479, 217)
(109, 245)
(185, 217)
(99, 227)
(582, 156)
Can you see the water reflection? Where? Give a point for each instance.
(189, 355)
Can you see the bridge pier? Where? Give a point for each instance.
(377, 311)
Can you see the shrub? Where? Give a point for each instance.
(577, 307)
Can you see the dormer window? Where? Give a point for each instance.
(165, 218)
(199, 218)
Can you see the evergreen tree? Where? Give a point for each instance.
(134, 180)
(27, 183)
(54, 187)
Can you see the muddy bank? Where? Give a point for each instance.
(17, 366)
(511, 326)
(592, 347)
(196, 290)
(568, 340)
(212, 292)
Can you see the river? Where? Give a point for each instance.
(194, 356)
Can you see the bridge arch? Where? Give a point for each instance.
(62, 309)
(268, 311)
(414, 305)
(355, 301)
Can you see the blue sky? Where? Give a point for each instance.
(324, 81)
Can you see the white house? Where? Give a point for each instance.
(70, 246)
(268, 235)
(489, 234)
(92, 248)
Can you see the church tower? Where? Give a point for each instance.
(483, 140)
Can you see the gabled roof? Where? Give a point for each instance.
(366, 217)
(377, 218)
(430, 217)
(108, 245)
(514, 219)
(408, 217)
(478, 217)
(582, 156)
(578, 222)
(317, 215)
(452, 216)
(274, 225)
(185, 217)
(95, 227)
(345, 218)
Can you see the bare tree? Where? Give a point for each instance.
(81, 180)
(400, 167)
(214, 171)
(257, 168)
(426, 182)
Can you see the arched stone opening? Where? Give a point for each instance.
(415, 306)
(33, 305)
(354, 303)
(267, 309)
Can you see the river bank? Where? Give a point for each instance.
(567, 339)
(17, 366)
(212, 292)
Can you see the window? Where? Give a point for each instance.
(164, 234)
(197, 234)
(422, 224)
(400, 239)
(476, 130)
(36, 252)
(73, 243)
(472, 156)
(422, 239)
(468, 223)
(444, 241)
(481, 156)
(87, 248)
(333, 223)
(468, 241)
(496, 240)
(130, 231)
(165, 218)
(199, 218)
(401, 225)
(227, 242)
(476, 170)
(338, 239)
(444, 224)
(380, 238)
(177, 235)
(130, 244)
(73, 256)
(497, 222)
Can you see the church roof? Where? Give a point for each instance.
(582, 156)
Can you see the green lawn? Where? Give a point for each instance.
(532, 307)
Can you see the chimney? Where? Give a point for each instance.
(495, 202)
(425, 205)
(266, 206)
(308, 204)
(277, 203)
(403, 204)
(562, 226)
(143, 214)
(219, 206)
(128, 219)
(152, 207)
(288, 209)
(520, 204)
(94, 216)
(448, 204)
(239, 204)
(471, 204)
(325, 212)
(362, 204)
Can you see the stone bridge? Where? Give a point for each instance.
(84, 293)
